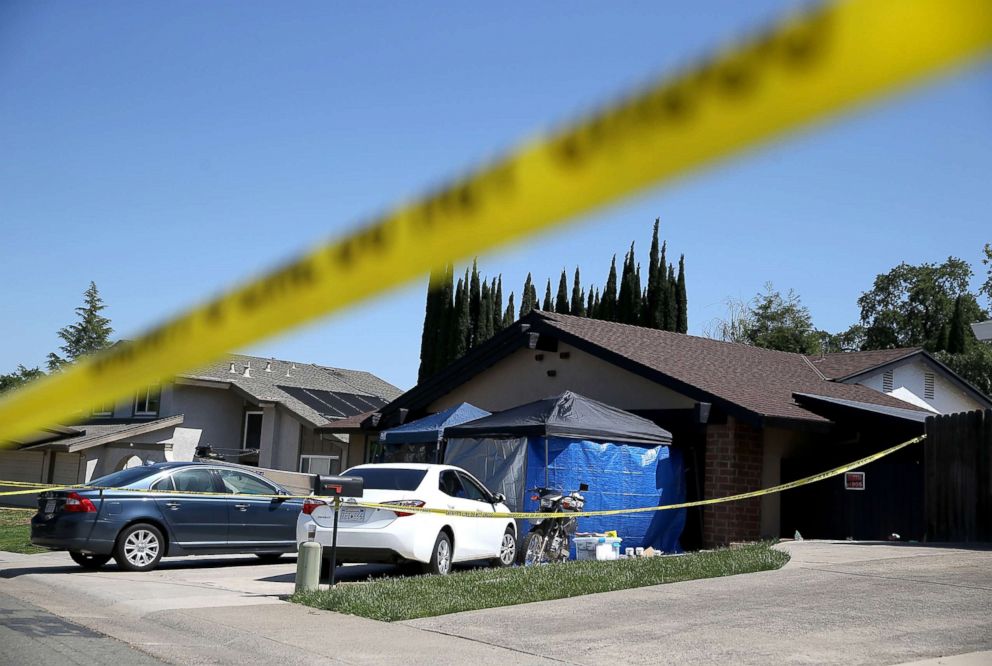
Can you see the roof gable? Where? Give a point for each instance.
(758, 380)
(847, 364)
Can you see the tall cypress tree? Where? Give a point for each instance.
(533, 297)
(591, 305)
(446, 321)
(548, 305)
(637, 297)
(673, 314)
(475, 304)
(957, 338)
(561, 300)
(652, 310)
(682, 301)
(497, 294)
(526, 301)
(428, 348)
(485, 330)
(460, 321)
(597, 305)
(578, 305)
(508, 315)
(665, 293)
(608, 301)
(625, 300)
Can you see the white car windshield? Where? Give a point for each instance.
(389, 478)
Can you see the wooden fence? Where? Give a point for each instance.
(959, 477)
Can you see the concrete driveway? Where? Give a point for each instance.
(833, 603)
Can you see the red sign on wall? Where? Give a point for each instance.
(854, 480)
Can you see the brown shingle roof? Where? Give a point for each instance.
(761, 381)
(837, 366)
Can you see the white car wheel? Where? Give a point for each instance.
(440, 563)
(507, 549)
(139, 548)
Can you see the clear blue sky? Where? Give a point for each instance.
(166, 150)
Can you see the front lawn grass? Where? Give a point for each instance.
(393, 599)
(15, 531)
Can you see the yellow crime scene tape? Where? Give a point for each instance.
(808, 66)
(511, 514)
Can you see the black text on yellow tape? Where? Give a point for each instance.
(803, 69)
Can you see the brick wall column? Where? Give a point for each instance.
(733, 465)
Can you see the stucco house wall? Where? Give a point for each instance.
(520, 378)
(948, 397)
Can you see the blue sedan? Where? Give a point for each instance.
(139, 528)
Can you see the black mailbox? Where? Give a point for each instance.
(339, 486)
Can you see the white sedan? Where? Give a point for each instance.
(434, 540)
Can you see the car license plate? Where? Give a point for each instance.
(50, 506)
(353, 514)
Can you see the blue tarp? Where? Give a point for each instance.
(619, 476)
(430, 429)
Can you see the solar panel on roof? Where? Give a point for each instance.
(334, 404)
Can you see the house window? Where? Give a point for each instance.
(887, 381)
(252, 438)
(103, 411)
(928, 385)
(320, 464)
(146, 401)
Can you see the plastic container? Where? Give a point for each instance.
(597, 548)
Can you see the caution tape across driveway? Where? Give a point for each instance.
(805, 68)
(505, 514)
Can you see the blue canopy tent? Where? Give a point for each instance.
(421, 440)
(569, 439)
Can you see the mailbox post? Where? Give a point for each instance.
(337, 487)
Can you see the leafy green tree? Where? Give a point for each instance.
(681, 300)
(986, 287)
(548, 305)
(561, 299)
(607, 308)
(91, 333)
(578, 305)
(974, 365)
(19, 377)
(779, 322)
(913, 305)
(591, 305)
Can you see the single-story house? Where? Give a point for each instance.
(745, 417)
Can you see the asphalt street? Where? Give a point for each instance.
(834, 603)
(30, 635)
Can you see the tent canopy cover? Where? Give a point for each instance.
(430, 429)
(568, 439)
(565, 415)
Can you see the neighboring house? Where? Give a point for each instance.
(910, 374)
(747, 417)
(265, 412)
(983, 330)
